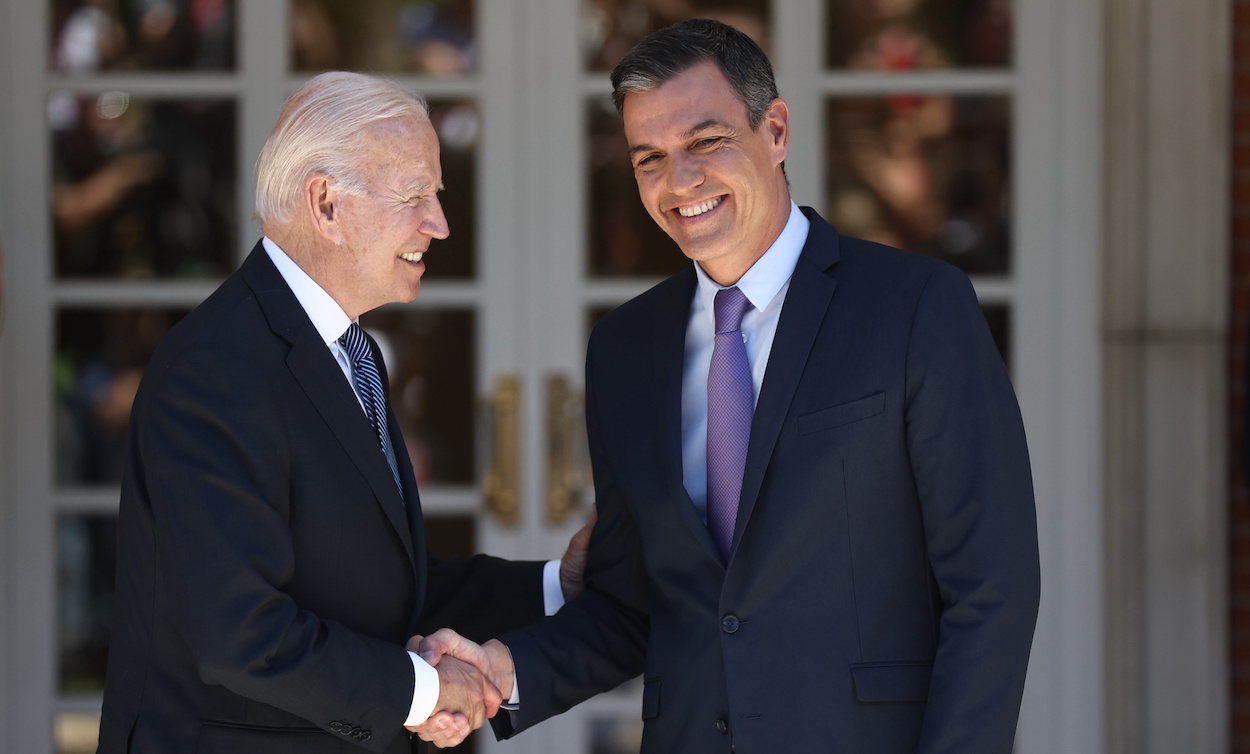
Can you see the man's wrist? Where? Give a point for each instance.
(553, 590)
(425, 690)
(502, 671)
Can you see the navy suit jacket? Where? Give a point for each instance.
(882, 588)
(269, 572)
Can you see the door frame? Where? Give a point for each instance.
(1059, 217)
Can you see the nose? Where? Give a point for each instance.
(685, 174)
(436, 224)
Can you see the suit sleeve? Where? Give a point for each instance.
(482, 597)
(967, 449)
(597, 641)
(214, 461)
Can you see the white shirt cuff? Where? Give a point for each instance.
(553, 595)
(424, 691)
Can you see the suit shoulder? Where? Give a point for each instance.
(649, 309)
(876, 257)
(884, 271)
(224, 324)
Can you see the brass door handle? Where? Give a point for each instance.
(564, 449)
(501, 482)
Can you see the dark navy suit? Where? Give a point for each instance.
(269, 572)
(883, 583)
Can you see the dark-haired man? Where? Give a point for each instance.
(816, 520)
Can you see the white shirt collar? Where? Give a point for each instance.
(326, 315)
(761, 283)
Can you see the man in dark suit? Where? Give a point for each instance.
(272, 558)
(847, 563)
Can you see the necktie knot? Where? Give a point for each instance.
(730, 305)
(354, 344)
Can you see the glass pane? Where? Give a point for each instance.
(153, 35)
(929, 174)
(450, 536)
(906, 35)
(998, 316)
(100, 358)
(624, 241)
(615, 735)
(76, 733)
(142, 188)
(611, 27)
(430, 357)
(433, 37)
(86, 562)
(459, 129)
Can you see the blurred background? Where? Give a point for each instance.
(1085, 162)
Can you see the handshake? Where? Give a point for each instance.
(473, 682)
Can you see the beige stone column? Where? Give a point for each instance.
(1165, 287)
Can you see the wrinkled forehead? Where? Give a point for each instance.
(402, 150)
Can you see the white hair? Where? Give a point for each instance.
(320, 132)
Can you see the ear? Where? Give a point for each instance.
(776, 124)
(321, 203)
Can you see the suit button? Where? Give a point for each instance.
(729, 624)
(336, 726)
(365, 735)
(722, 726)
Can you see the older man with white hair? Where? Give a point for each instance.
(271, 552)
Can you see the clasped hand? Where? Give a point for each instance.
(473, 682)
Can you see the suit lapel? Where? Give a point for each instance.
(314, 368)
(807, 301)
(668, 367)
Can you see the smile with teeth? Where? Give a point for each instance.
(413, 256)
(698, 209)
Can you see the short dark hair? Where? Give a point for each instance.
(665, 54)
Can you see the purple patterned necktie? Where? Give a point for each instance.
(730, 405)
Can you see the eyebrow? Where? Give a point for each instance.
(419, 187)
(702, 125)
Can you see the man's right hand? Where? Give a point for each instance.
(462, 690)
(492, 658)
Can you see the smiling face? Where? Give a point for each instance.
(708, 180)
(382, 235)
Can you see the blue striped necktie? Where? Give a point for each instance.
(369, 387)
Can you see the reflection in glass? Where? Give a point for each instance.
(929, 174)
(906, 35)
(156, 35)
(430, 360)
(459, 129)
(76, 733)
(86, 561)
(624, 241)
(450, 536)
(998, 316)
(433, 37)
(615, 735)
(142, 188)
(100, 358)
(611, 27)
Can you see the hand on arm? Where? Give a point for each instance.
(573, 564)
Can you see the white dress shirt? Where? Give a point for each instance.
(765, 286)
(331, 322)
